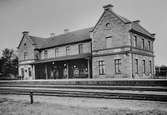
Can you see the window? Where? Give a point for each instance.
(68, 50)
(25, 55)
(22, 72)
(108, 42)
(144, 66)
(136, 64)
(149, 45)
(80, 48)
(25, 45)
(56, 52)
(117, 63)
(45, 53)
(150, 64)
(135, 41)
(142, 43)
(29, 72)
(108, 25)
(101, 67)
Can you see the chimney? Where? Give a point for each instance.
(153, 34)
(25, 33)
(108, 7)
(52, 34)
(136, 21)
(66, 31)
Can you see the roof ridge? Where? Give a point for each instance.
(70, 37)
(143, 28)
(71, 32)
(125, 20)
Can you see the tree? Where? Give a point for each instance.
(9, 63)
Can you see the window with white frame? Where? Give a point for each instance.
(56, 52)
(101, 67)
(29, 72)
(135, 41)
(143, 44)
(136, 65)
(117, 63)
(25, 55)
(149, 45)
(150, 66)
(80, 47)
(109, 42)
(67, 50)
(144, 66)
(45, 53)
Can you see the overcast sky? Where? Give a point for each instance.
(42, 17)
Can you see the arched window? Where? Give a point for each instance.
(108, 25)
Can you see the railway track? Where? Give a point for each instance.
(85, 89)
(89, 93)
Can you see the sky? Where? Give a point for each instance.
(42, 17)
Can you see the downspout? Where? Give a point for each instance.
(91, 57)
(131, 52)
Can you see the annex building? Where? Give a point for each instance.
(114, 48)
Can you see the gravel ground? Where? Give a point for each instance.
(45, 105)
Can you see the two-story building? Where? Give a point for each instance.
(114, 48)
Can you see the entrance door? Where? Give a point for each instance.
(78, 69)
(55, 72)
(22, 73)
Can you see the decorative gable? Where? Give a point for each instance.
(25, 48)
(110, 25)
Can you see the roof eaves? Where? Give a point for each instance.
(147, 32)
(47, 47)
(97, 22)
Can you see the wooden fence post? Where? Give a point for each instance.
(31, 97)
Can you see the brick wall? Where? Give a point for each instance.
(118, 32)
(141, 74)
(120, 38)
(125, 66)
(26, 46)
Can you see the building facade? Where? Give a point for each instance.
(114, 48)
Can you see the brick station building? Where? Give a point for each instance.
(114, 48)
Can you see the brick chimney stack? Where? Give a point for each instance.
(136, 21)
(66, 31)
(25, 33)
(108, 7)
(52, 34)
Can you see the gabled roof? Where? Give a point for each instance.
(134, 26)
(124, 20)
(37, 41)
(82, 35)
(138, 28)
(70, 37)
